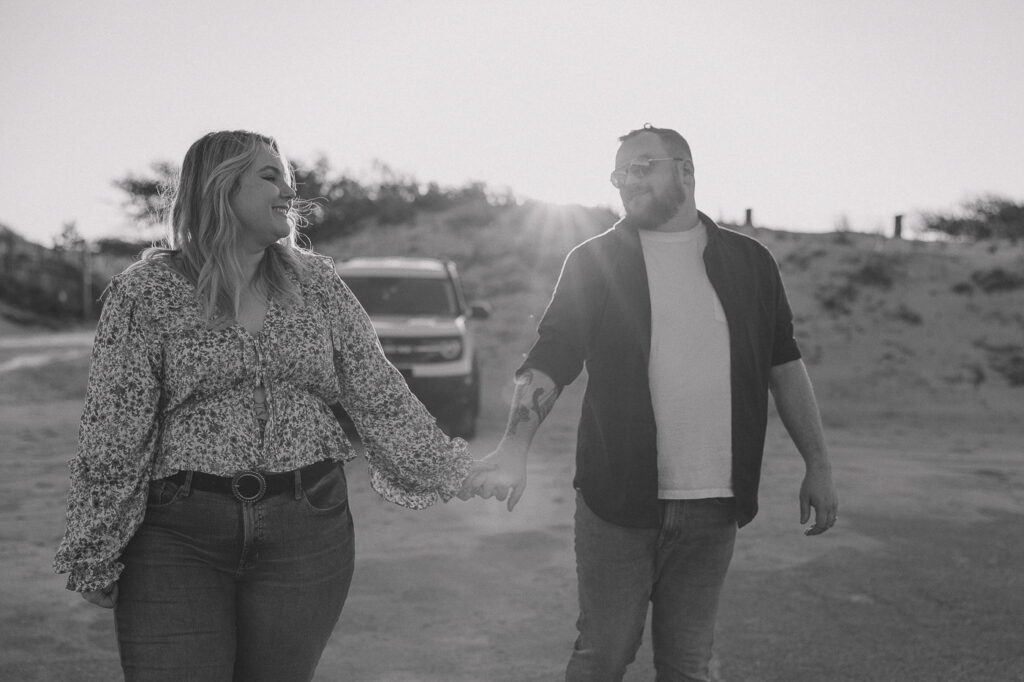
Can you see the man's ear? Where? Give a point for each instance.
(688, 167)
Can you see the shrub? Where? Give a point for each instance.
(836, 298)
(799, 260)
(877, 271)
(1006, 359)
(997, 279)
(905, 314)
(987, 217)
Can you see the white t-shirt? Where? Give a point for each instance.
(689, 368)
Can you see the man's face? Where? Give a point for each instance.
(651, 200)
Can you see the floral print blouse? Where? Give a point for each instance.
(168, 393)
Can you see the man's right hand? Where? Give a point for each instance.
(105, 598)
(507, 478)
(503, 472)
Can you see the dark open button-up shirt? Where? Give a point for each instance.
(599, 316)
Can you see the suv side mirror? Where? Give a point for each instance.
(479, 310)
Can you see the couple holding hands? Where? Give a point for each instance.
(208, 503)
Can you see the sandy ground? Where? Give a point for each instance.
(921, 580)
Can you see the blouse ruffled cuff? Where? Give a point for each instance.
(451, 472)
(95, 577)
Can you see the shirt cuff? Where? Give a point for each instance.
(446, 482)
(96, 577)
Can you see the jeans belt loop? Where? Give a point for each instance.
(186, 489)
(298, 484)
(248, 479)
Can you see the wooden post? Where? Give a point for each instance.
(897, 230)
(86, 281)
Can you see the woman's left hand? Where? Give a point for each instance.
(469, 485)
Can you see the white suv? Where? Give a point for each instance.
(419, 311)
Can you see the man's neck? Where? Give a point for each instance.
(685, 219)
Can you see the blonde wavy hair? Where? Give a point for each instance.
(203, 232)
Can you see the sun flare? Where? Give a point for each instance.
(560, 227)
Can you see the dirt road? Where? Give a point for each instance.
(921, 579)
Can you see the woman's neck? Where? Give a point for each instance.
(250, 263)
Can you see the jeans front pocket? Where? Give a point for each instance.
(327, 494)
(162, 493)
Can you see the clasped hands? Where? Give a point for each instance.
(501, 474)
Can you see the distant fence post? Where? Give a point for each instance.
(897, 229)
(86, 281)
(749, 220)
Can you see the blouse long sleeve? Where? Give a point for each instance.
(412, 463)
(117, 438)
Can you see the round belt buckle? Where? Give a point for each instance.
(248, 486)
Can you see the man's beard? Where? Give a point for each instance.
(660, 209)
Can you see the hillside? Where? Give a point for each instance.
(887, 326)
(907, 326)
(891, 326)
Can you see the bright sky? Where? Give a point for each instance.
(804, 110)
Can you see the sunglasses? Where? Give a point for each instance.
(637, 169)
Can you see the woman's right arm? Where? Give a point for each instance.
(117, 438)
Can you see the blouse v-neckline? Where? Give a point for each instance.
(235, 324)
(263, 323)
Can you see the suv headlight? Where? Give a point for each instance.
(426, 349)
(450, 349)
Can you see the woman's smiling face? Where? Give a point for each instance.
(263, 200)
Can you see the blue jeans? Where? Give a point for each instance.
(679, 568)
(218, 590)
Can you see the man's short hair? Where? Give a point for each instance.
(675, 144)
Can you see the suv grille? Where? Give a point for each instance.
(422, 349)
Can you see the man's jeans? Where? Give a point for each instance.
(679, 568)
(216, 589)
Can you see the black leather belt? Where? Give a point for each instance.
(253, 486)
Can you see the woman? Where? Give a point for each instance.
(208, 505)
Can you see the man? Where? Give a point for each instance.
(684, 328)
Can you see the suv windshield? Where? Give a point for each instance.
(404, 295)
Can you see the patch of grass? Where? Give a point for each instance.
(837, 298)
(877, 271)
(997, 279)
(470, 215)
(843, 238)
(905, 314)
(800, 259)
(1007, 360)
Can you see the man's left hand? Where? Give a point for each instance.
(819, 492)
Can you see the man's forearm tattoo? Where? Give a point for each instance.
(519, 415)
(541, 404)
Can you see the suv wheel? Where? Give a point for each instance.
(464, 426)
(464, 423)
